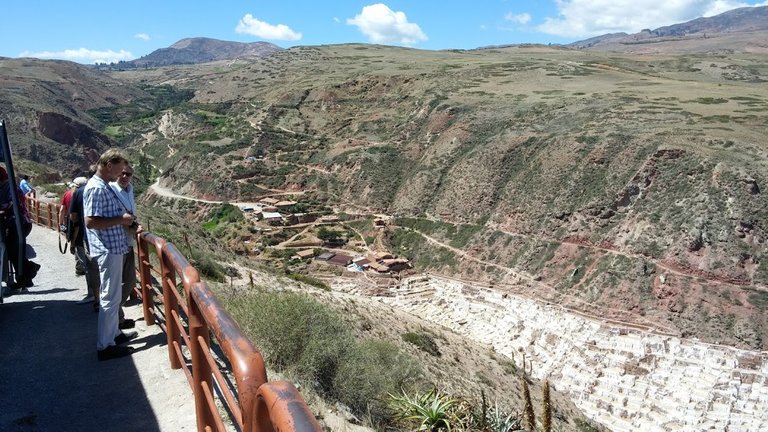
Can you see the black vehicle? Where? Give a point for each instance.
(10, 215)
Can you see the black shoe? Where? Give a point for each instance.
(124, 337)
(34, 270)
(127, 324)
(27, 283)
(79, 273)
(113, 352)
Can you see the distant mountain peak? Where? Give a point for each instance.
(741, 20)
(204, 50)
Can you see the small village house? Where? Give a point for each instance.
(396, 264)
(362, 262)
(340, 260)
(305, 253)
(381, 268)
(272, 218)
(269, 201)
(325, 256)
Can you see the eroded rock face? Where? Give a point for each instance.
(65, 130)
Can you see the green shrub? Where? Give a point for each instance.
(306, 338)
(424, 341)
(372, 370)
(225, 213)
(207, 266)
(288, 327)
(759, 299)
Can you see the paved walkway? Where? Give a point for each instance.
(50, 379)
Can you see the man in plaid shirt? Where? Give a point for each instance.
(105, 222)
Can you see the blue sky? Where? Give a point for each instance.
(88, 31)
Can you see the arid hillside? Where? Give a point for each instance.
(51, 109)
(623, 186)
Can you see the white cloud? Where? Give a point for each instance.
(252, 26)
(382, 25)
(585, 18)
(142, 36)
(522, 18)
(719, 6)
(83, 55)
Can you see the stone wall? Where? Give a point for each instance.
(622, 377)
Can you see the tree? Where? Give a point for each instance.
(327, 235)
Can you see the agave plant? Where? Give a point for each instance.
(499, 421)
(431, 410)
(493, 419)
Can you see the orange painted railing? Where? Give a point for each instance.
(189, 313)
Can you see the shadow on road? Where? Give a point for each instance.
(50, 379)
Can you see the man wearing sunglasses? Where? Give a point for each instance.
(124, 191)
(105, 222)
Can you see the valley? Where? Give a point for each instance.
(629, 372)
(595, 218)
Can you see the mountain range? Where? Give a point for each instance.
(629, 186)
(202, 50)
(738, 30)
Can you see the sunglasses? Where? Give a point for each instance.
(126, 174)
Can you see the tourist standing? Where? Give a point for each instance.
(28, 269)
(64, 221)
(78, 246)
(124, 191)
(25, 187)
(105, 222)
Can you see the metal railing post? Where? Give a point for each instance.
(37, 212)
(50, 215)
(145, 279)
(202, 377)
(173, 334)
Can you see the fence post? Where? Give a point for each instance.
(201, 369)
(173, 334)
(145, 279)
(50, 215)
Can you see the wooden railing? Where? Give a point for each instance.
(44, 213)
(174, 297)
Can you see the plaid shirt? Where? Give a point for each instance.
(99, 200)
(129, 206)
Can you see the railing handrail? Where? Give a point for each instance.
(260, 405)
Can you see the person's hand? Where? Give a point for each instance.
(139, 229)
(127, 219)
